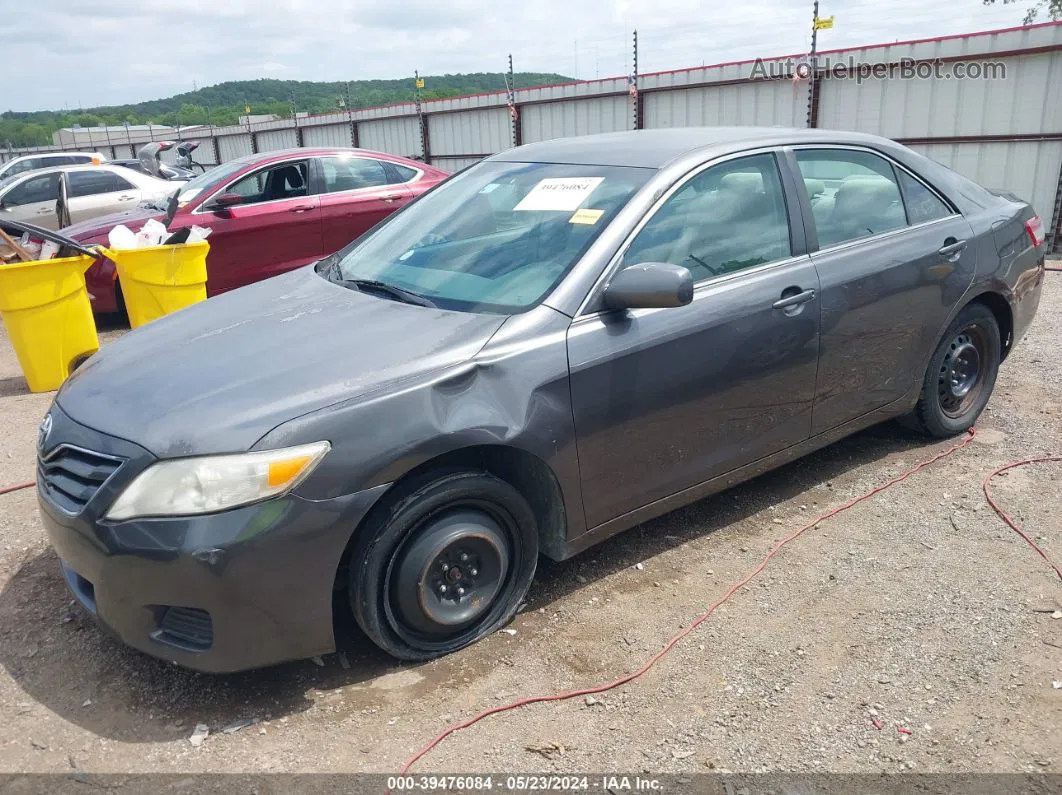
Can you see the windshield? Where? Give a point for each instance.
(495, 238)
(194, 187)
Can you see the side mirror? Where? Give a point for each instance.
(650, 285)
(226, 200)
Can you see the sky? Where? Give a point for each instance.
(83, 53)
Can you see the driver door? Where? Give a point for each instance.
(666, 399)
(277, 226)
(33, 201)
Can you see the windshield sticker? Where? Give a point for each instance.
(586, 216)
(490, 188)
(560, 194)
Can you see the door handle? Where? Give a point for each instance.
(126, 198)
(952, 250)
(796, 299)
(301, 208)
(391, 197)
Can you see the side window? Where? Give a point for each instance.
(121, 183)
(922, 204)
(24, 165)
(282, 181)
(402, 173)
(44, 188)
(728, 217)
(853, 194)
(351, 173)
(91, 183)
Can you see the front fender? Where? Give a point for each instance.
(514, 393)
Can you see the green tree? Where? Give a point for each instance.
(1051, 8)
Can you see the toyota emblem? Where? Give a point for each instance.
(43, 431)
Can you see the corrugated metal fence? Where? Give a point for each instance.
(1004, 131)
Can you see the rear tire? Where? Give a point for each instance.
(444, 563)
(960, 376)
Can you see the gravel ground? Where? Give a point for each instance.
(917, 609)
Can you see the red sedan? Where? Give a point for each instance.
(271, 212)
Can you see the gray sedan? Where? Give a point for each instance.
(555, 345)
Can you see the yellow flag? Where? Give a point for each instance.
(823, 23)
(420, 82)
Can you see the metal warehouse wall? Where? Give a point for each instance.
(469, 132)
(1005, 133)
(577, 117)
(327, 135)
(399, 136)
(778, 103)
(232, 146)
(272, 140)
(1028, 168)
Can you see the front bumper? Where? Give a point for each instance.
(239, 589)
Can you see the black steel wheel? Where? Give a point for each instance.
(443, 563)
(961, 374)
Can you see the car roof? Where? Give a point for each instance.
(72, 167)
(656, 148)
(51, 154)
(320, 151)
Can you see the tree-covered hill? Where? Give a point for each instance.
(224, 103)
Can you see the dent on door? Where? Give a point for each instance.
(665, 399)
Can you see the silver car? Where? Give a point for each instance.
(20, 165)
(93, 191)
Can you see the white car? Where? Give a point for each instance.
(92, 191)
(20, 165)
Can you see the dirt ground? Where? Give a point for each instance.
(918, 608)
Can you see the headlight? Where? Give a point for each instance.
(188, 486)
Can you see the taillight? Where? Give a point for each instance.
(1035, 227)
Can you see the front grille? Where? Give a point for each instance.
(70, 476)
(187, 628)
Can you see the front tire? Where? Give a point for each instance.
(443, 563)
(960, 376)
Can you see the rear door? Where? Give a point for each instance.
(893, 259)
(276, 228)
(95, 191)
(356, 194)
(665, 399)
(32, 200)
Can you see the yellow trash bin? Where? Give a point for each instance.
(160, 279)
(45, 308)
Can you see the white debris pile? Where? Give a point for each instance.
(152, 233)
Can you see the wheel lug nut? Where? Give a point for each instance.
(463, 557)
(473, 572)
(459, 591)
(442, 589)
(444, 566)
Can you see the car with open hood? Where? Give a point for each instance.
(555, 345)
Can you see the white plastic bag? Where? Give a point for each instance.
(151, 233)
(121, 237)
(49, 248)
(198, 233)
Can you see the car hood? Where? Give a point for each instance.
(89, 231)
(219, 375)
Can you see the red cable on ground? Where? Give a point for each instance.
(1006, 517)
(586, 691)
(16, 487)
